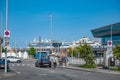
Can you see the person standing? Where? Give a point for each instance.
(55, 61)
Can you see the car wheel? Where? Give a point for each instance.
(18, 61)
(8, 61)
(36, 65)
(39, 65)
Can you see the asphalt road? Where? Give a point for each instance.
(27, 71)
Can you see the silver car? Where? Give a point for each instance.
(13, 59)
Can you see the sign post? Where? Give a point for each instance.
(5, 60)
(109, 44)
(1, 40)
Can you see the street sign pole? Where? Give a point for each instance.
(5, 60)
(6, 35)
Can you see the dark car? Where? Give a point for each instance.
(43, 62)
(2, 64)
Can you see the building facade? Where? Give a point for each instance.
(108, 32)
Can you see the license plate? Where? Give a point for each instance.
(46, 64)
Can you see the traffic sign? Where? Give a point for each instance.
(6, 33)
(109, 43)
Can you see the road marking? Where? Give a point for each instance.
(15, 70)
(42, 74)
(23, 64)
(28, 64)
(13, 64)
(18, 64)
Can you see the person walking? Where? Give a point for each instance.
(55, 62)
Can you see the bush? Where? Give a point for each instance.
(118, 69)
(88, 66)
(115, 69)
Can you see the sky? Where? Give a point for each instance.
(71, 19)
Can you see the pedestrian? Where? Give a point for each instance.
(64, 61)
(55, 62)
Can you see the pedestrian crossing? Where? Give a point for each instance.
(18, 65)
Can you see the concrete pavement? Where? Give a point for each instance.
(8, 74)
(14, 72)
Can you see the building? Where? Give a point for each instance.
(110, 36)
(108, 32)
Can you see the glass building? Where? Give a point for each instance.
(108, 32)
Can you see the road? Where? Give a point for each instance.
(27, 71)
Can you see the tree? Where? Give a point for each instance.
(72, 51)
(116, 52)
(3, 50)
(32, 51)
(69, 51)
(86, 53)
(75, 51)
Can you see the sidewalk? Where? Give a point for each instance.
(98, 69)
(8, 74)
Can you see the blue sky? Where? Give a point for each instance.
(72, 19)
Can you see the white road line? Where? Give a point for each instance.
(13, 64)
(28, 64)
(18, 64)
(15, 70)
(23, 64)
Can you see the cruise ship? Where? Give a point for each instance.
(47, 45)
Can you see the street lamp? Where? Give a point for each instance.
(50, 31)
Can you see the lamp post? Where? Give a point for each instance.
(1, 37)
(50, 31)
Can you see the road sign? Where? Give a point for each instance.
(6, 43)
(109, 43)
(6, 33)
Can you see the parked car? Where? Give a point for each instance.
(43, 62)
(2, 63)
(13, 59)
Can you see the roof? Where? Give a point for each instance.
(106, 30)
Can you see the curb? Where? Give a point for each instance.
(97, 71)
